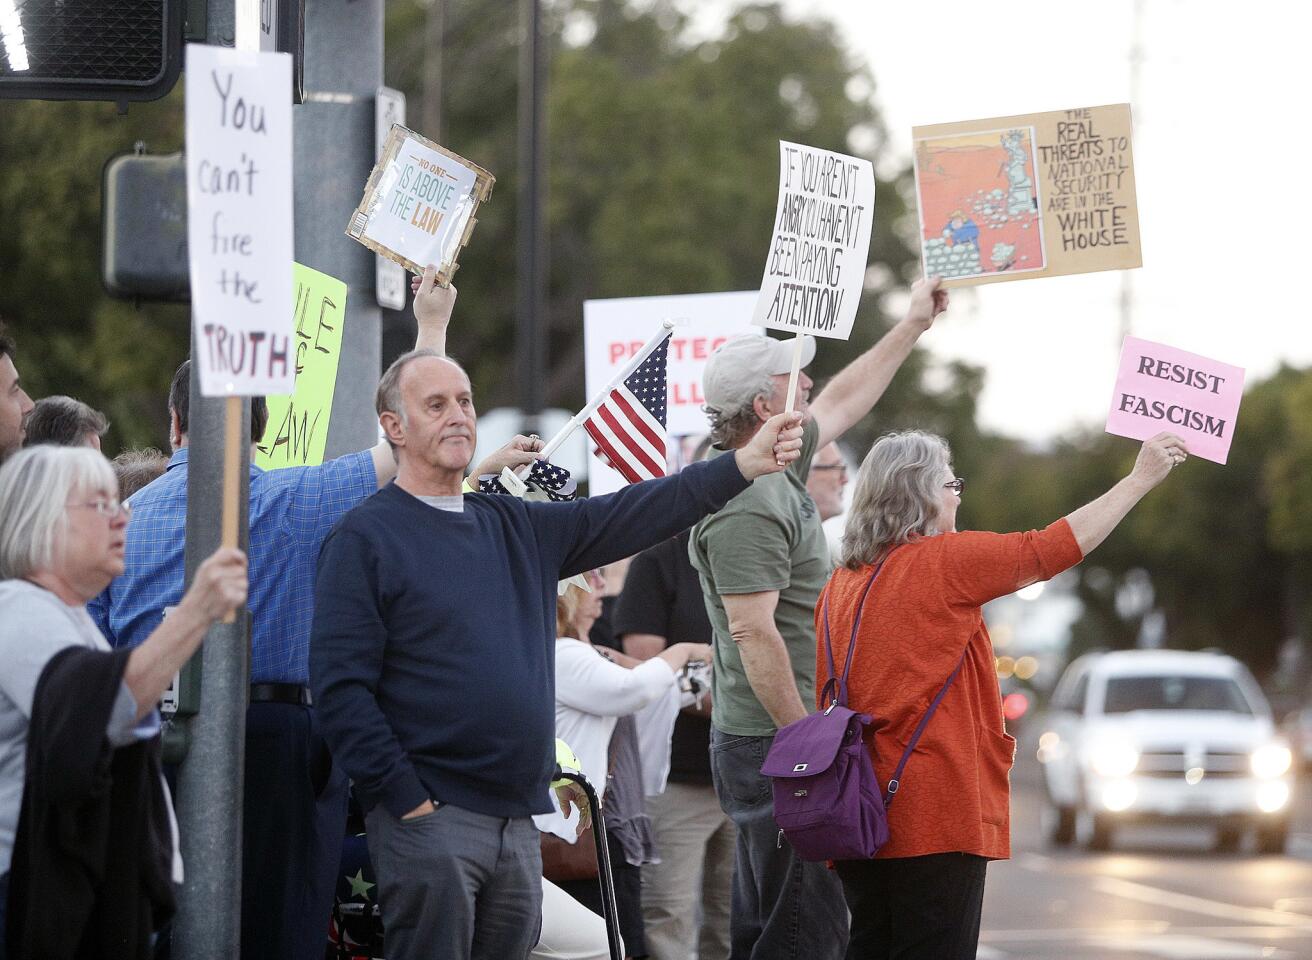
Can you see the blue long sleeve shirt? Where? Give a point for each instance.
(431, 654)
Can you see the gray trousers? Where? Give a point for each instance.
(783, 908)
(457, 885)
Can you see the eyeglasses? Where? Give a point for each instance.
(107, 508)
(829, 466)
(956, 486)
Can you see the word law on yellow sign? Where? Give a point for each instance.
(298, 424)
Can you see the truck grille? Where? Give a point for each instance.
(1173, 764)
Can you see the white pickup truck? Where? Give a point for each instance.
(1163, 735)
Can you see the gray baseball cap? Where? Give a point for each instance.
(737, 366)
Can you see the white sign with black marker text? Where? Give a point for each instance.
(816, 266)
(239, 219)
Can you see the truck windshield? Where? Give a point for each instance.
(1125, 694)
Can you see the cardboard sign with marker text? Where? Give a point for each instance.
(298, 424)
(1036, 195)
(1165, 389)
(419, 204)
(816, 266)
(239, 219)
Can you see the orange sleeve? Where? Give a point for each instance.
(979, 567)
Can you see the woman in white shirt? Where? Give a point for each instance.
(596, 692)
(61, 542)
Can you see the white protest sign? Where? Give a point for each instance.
(239, 219)
(419, 204)
(614, 330)
(817, 262)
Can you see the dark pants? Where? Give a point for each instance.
(294, 821)
(456, 885)
(4, 897)
(783, 908)
(627, 880)
(914, 908)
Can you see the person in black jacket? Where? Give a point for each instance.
(94, 852)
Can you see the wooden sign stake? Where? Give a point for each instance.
(793, 373)
(231, 478)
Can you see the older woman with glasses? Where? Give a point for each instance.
(88, 842)
(908, 595)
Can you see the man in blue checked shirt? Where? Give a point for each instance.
(295, 805)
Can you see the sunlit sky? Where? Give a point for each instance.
(1221, 143)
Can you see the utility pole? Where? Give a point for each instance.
(334, 152)
(1136, 71)
(531, 280)
(210, 777)
(431, 101)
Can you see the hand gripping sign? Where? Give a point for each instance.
(419, 204)
(816, 266)
(1160, 388)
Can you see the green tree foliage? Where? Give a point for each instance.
(1228, 548)
(72, 337)
(663, 166)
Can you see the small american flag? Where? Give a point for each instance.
(629, 426)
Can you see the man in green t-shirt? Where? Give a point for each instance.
(763, 560)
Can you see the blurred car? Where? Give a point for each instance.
(1159, 735)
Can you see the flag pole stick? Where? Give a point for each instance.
(647, 348)
(793, 373)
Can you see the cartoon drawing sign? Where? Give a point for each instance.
(419, 204)
(816, 266)
(1160, 388)
(1040, 195)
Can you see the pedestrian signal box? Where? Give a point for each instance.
(144, 223)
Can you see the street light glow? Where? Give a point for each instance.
(11, 31)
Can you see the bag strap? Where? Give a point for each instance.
(896, 780)
(835, 688)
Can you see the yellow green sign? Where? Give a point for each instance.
(298, 424)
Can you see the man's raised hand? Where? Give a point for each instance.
(518, 452)
(777, 444)
(928, 300)
(433, 303)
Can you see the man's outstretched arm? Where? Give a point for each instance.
(855, 389)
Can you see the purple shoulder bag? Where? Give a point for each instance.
(827, 800)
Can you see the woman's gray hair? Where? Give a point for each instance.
(733, 426)
(897, 496)
(36, 486)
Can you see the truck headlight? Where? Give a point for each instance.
(1113, 758)
(1271, 761)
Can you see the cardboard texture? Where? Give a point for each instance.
(1036, 195)
(419, 204)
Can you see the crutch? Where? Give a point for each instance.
(608, 910)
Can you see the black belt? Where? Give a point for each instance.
(281, 693)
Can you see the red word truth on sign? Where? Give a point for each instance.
(245, 351)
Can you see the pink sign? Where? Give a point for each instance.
(1162, 389)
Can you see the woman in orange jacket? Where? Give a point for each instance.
(921, 896)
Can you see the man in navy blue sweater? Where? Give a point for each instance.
(431, 657)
